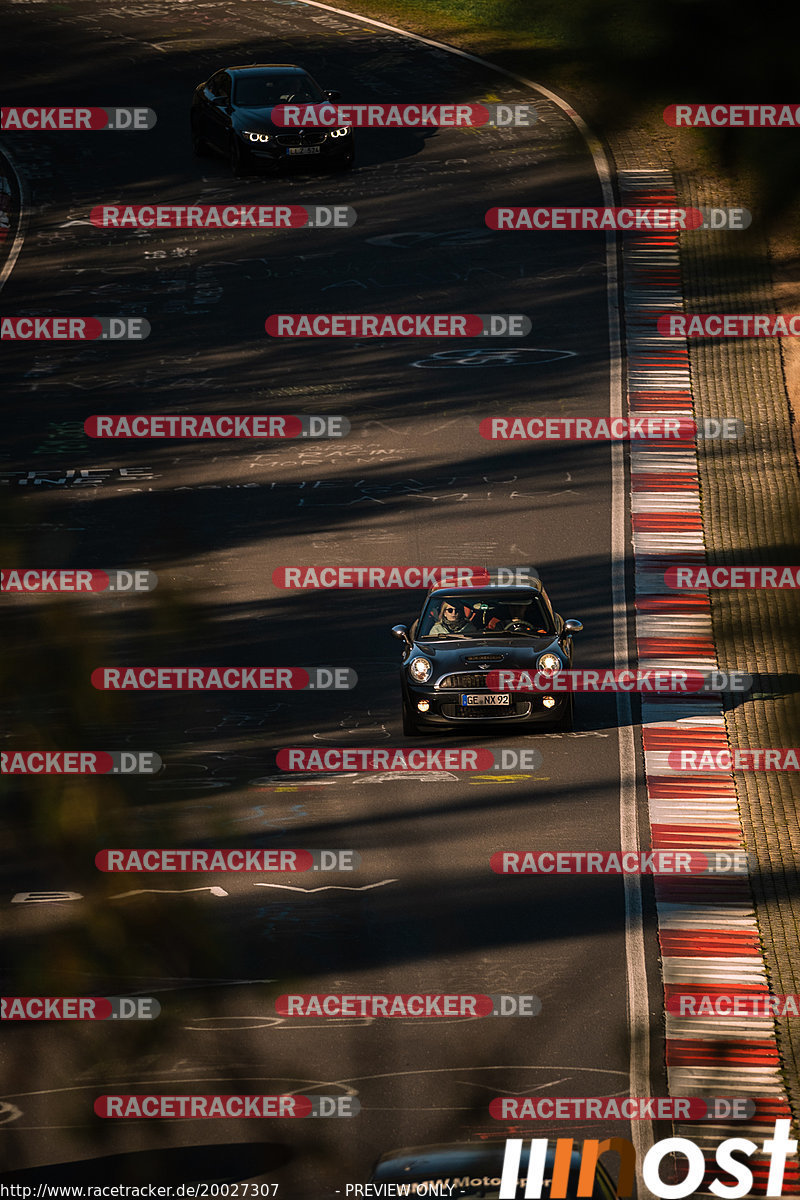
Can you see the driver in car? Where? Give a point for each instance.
(519, 614)
(453, 619)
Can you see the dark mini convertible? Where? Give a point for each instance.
(461, 635)
(232, 114)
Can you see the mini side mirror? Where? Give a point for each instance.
(571, 627)
(401, 633)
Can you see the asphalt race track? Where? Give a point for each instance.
(414, 482)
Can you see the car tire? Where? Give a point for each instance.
(238, 159)
(410, 726)
(344, 162)
(200, 147)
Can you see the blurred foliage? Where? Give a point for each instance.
(623, 63)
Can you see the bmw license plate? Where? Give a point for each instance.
(303, 150)
(468, 699)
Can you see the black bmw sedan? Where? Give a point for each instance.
(461, 635)
(232, 115)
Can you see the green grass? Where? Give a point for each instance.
(511, 23)
(621, 64)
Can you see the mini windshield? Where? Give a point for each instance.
(264, 91)
(493, 614)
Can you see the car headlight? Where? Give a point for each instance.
(420, 669)
(255, 137)
(548, 663)
(342, 131)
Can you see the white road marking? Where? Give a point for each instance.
(215, 891)
(332, 887)
(345, 1084)
(22, 223)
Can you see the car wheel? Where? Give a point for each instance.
(200, 146)
(344, 162)
(238, 158)
(410, 726)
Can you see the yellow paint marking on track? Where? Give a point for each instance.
(497, 778)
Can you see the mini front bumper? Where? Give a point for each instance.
(446, 708)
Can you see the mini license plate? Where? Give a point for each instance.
(469, 699)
